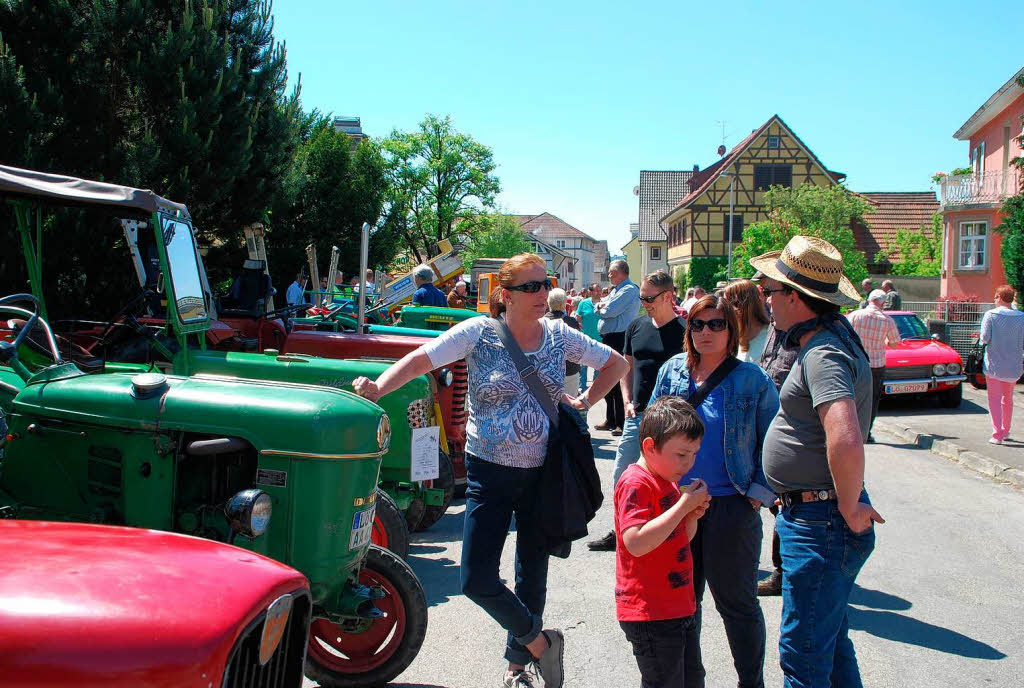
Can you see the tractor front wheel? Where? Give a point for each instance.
(390, 529)
(376, 650)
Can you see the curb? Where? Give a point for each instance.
(951, 451)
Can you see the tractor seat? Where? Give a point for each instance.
(249, 291)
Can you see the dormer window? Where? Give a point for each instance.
(774, 142)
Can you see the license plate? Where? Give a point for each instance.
(906, 388)
(362, 526)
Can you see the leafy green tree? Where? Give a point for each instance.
(492, 235)
(920, 251)
(436, 175)
(332, 189)
(707, 271)
(1012, 246)
(183, 98)
(824, 212)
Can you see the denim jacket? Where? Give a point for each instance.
(751, 403)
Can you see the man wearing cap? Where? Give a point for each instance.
(814, 460)
(865, 286)
(876, 331)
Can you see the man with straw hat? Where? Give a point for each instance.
(814, 460)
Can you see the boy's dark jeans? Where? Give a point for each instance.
(667, 652)
(726, 551)
(493, 494)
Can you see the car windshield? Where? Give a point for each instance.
(911, 327)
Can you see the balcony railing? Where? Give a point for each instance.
(983, 188)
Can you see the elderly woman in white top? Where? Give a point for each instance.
(506, 445)
(1002, 333)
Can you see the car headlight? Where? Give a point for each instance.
(384, 433)
(953, 369)
(248, 512)
(939, 369)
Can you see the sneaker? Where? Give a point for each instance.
(871, 439)
(603, 544)
(770, 586)
(604, 426)
(617, 432)
(517, 679)
(549, 665)
(994, 440)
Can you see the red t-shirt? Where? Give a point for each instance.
(658, 585)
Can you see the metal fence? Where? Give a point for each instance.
(962, 320)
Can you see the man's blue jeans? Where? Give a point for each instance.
(821, 558)
(628, 451)
(493, 494)
(585, 377)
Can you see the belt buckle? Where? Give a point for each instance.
(822, 495)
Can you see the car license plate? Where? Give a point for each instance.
(906, 388)
(362, 526)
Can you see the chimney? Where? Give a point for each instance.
(696, 169)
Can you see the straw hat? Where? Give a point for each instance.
(812, 266)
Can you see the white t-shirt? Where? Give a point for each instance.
(506, 423)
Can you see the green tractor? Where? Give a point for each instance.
(276, 465)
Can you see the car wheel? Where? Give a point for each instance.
(372, 652)
(977, 380)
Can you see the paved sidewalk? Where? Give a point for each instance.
(960, 435)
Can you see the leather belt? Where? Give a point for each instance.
(788, 499)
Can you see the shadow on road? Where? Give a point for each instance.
(883, 623)
(439, 576)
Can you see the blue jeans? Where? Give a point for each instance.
(585, 377)
(493, 494)
(821, 558)
(628, 451)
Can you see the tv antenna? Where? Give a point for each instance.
(721, 123)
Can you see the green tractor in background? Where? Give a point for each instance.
(282, 467)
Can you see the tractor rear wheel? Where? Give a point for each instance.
(379, 649)
(390, 529)
(445, 481)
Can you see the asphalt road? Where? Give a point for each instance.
(938, 604)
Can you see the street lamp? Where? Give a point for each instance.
(732, 186)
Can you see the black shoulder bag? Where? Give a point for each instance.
(570, 486)
(717, 375)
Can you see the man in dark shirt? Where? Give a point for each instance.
(651, 339)
(426, 293)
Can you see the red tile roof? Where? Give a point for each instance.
(550, 226)
(893, 210)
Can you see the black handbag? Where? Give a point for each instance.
(570, 485)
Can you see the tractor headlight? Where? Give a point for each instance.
(939, 369)
(384, 433)
(952, 369)
(421, 413)
(248, 512)
(446, 377)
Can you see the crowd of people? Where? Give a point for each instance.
(760, 395)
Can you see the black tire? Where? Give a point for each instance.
(951, 398)
(445, 481)
(977, 381)
(388, 517)
(414, 514)
(404, 593)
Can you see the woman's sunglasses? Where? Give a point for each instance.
(650, 299)
(715, 324)
(532, 287)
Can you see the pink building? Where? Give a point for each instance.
(970, 202)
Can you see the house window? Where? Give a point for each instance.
(774, 142)
(570, 268)
(978, 158)
(655, 252)
(559, 243)
(777, 174)
(972, 246)
(737, 228)
(682, 232)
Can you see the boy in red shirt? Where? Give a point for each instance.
(654, 522)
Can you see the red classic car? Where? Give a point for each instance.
(92, 605)
(922, 364)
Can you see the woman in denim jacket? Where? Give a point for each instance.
(726, 549)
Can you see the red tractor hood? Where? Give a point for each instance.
(351, 345)
(920, 352)
(91, 605)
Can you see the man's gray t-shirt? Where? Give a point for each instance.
(794, 448)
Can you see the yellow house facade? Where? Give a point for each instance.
(634, 258)
(771, 156)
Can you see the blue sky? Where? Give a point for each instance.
(576, 98)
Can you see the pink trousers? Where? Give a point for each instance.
(1000, 407)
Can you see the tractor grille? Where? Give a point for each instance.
(284, 668)
(460, 388)
(907, 372)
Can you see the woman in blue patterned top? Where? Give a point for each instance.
(506, 445)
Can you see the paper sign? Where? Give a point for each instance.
(424, 455)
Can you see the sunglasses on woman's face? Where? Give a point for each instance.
(715, 324)
(650, 299)
(532, 287)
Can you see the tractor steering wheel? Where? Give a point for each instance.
(9, 350)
